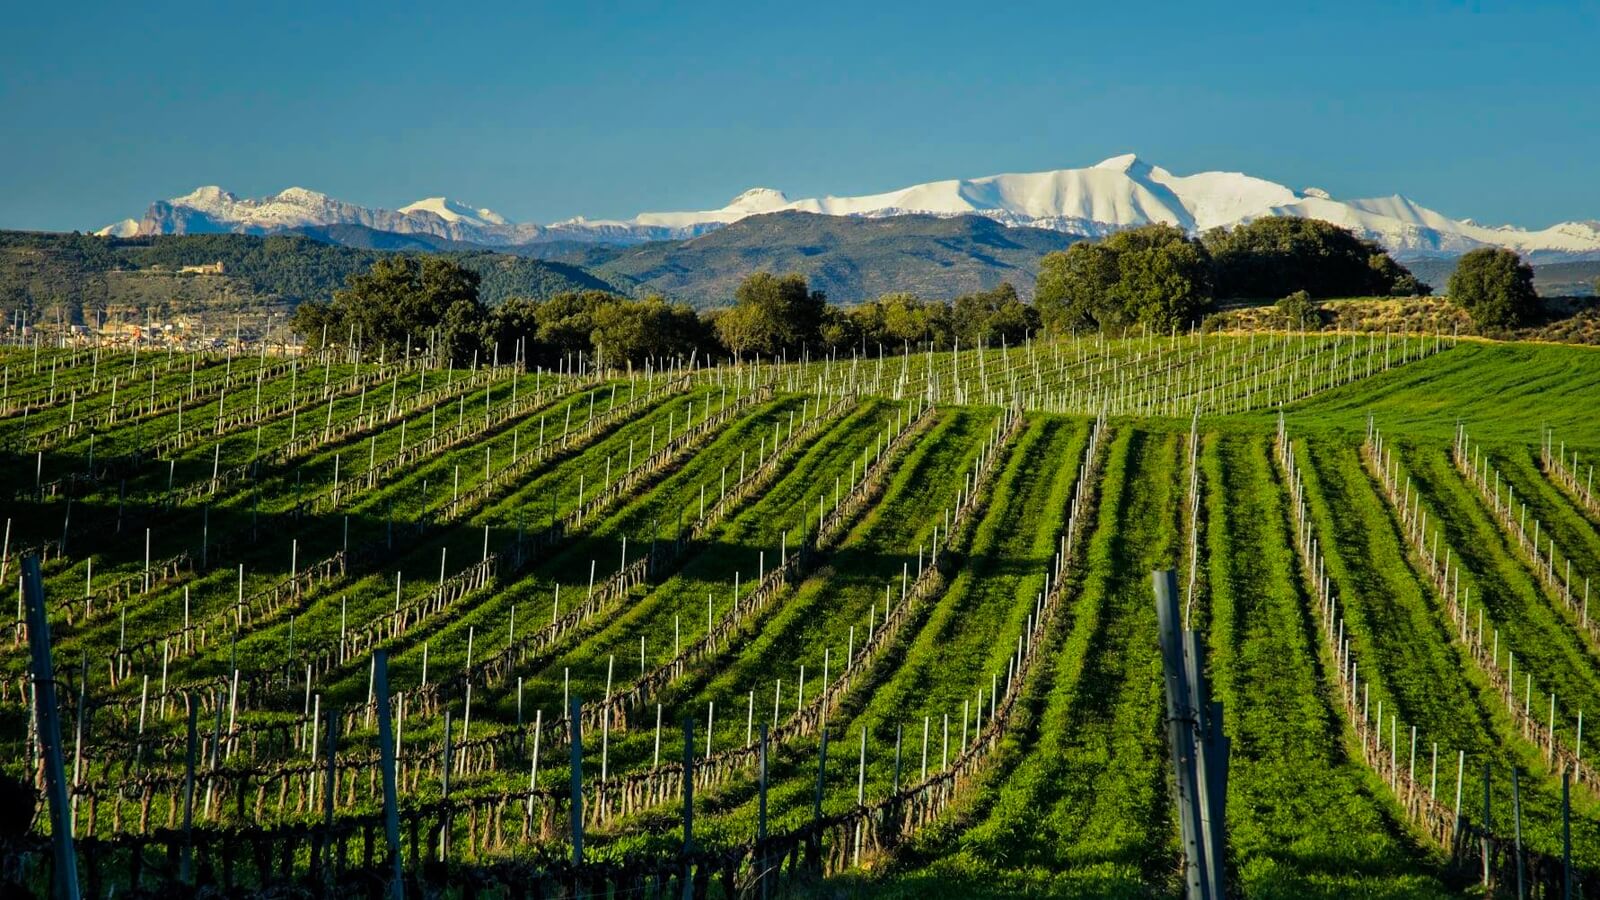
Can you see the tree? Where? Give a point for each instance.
(1154, 274)
(989, 317)
(1409, 285)
(512, 323)
(607, 328)
(1495, 286)
(838, 330)
(400, 299)
(1394, 280)
(1074, 288)
(630, 332)
(772, 314)
(908, 320)
(1297, 308)
(567, 320)
(1163, 277)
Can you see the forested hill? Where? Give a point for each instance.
(851, 259)
(38, 271)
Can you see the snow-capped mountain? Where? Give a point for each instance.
(211, 209)
(1120, 192)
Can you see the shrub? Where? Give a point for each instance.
(1297, 308)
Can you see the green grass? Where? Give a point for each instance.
(1305, 820)
(1506, 392)
(1547, 646)
(967, 634)
(1403, 644)
(1077, 805)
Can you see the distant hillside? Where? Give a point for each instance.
(850, 258)
(38, 271)
(364, 238)
(1558, 279)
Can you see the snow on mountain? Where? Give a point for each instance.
(752, 202)
(1120, 192)
(452, 211)
(1126, 191)
(124, 228)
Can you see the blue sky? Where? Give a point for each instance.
(547, 111)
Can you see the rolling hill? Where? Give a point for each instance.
(849, 258)
(39, 271)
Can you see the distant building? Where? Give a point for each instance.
(203, 269)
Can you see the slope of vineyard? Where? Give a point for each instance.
(894, 611)
(1308, 820)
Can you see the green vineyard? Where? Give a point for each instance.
(861, 625)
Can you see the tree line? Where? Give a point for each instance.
(428, 304)
(1153, 277)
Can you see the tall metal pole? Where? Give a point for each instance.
(49, 728)
(1211, 762)
(1180, 743)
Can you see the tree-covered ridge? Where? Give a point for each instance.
(79, 272)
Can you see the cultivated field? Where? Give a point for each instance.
(876, 625)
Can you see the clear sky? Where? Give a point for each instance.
(545, 111)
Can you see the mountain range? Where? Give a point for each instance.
(848, 258)
(1117, 193)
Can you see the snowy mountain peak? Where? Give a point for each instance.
(454, 211)
(759, 199)
(124, 228)
(1126, 162)
(301, 195)
(208, 194)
